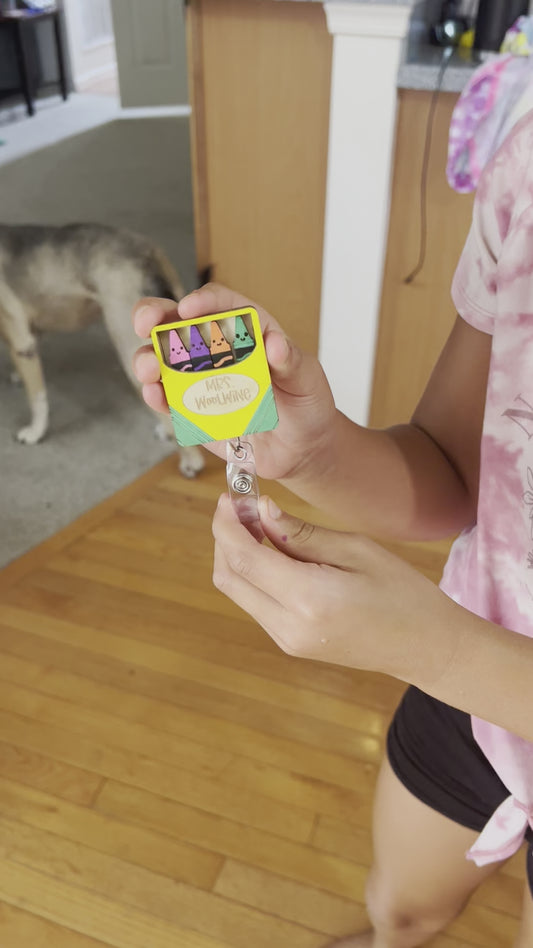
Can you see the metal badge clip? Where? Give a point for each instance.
(242, 485)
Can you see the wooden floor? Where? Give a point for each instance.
(167, 776)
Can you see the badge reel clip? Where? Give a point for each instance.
(242, 485)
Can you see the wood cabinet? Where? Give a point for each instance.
(259, 76)
(416, 318)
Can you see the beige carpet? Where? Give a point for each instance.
(133, 173)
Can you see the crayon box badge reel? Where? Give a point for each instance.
(216, 378)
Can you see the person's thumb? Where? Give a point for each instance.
(293, 371)
(307, 542)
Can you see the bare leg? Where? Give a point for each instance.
(420, 880)
(524, 938)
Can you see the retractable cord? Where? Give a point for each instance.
(243, 486)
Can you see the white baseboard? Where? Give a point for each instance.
(108, 71)
(155, 111)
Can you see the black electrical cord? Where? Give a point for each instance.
(446, 56)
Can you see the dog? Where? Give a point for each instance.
(66, 277)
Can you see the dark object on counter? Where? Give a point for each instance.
(494, 17)
(451, 26)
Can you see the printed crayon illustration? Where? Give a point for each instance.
(221, 353)
(179, 357)
(199, 352)
(243, 344)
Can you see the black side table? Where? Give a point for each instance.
(20, 23)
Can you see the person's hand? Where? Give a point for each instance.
(335, 597)
(303, 397)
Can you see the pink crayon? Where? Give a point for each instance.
(179, 357)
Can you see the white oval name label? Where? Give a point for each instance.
(221, 394)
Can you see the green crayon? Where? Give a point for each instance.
(243, 343)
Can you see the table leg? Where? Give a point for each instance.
(60, 56)
(21, 50)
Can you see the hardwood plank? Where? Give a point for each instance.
(165, 763)
(44, 773)
(176, 783)
(316, 795)
(187, 696)
(71, 564)
(92, 914)
(484, 927)
(240, 644)
(344, 839)
(185, 907)
(245, 843)
(200, 733)
(136, 742)
(137, 845)
(335, 710)
(319, 910)
(20, 929)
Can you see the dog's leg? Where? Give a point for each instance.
(26, 361)
(29, 368)
(191, 458)
(116, 309)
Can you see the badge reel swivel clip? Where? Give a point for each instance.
(242, 485)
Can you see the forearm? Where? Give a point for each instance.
(480, 668)
(394, 483)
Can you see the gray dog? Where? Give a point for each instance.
(63, 278)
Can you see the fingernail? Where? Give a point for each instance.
(273, 510)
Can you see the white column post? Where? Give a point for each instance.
(366, 54)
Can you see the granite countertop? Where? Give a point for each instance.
(421, 63)
(396, 3)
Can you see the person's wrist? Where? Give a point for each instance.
(436, 643)
(318, 462)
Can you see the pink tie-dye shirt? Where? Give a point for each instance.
(490, 569)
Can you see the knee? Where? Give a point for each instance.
(401, 918)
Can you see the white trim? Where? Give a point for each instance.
(363, 19)
(366, 56)
(108, 71)
(99, 43)
(155, 111)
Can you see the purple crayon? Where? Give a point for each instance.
(179, 357)
(199, 353)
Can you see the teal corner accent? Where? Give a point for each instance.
(187, 434)
(266, 416)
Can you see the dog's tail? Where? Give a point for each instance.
(171, 285)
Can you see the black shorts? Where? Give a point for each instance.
(432, 751)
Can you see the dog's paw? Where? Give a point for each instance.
(164, 431)
(31, 434)
(191, 461)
